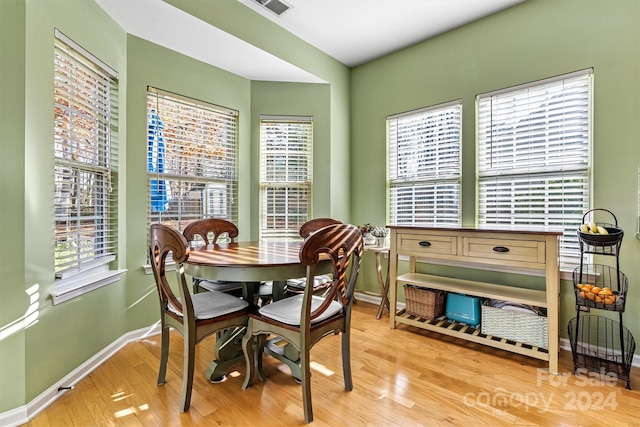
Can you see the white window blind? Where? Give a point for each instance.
(86, 153)
(534, 144)
(425, 165)
(285, 175)
(191, 160)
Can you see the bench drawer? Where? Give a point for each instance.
(525, 251)
(428, 244)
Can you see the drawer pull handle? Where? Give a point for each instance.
(501, 249)
(425, 244)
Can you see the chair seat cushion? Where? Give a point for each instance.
(208, 305)
(288, 310)
(318, 281)
(219, 285)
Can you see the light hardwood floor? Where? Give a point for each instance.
(402, 377)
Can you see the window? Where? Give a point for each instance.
(191, 160)
(86, 155)
(285, 175)
(425, 165)
(534, 144)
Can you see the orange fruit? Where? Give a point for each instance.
(579, 286)
(596, 289)
(598, 299)
(581, 294)
(610, 300)
(590, 296)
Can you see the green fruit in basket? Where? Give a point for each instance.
(602, 230)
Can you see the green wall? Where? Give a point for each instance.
(60, 338)
(65, 335)
(288, 99)
(534, 40)
(237, 19)
(152, 65)
(531, 41)
(14, 301)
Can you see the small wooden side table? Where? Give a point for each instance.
(384, 284)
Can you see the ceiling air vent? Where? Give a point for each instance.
(276, 6)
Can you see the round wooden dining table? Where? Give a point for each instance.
(250, 263)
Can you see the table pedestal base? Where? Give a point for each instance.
(228, 351)
(285, 354)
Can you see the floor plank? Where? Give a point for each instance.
(402, 377)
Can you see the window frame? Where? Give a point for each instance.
(556, 175)
(86, 116)
(206, 130)
(299, 182)
(434, 179)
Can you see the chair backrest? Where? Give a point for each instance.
(210, 230)
(162, 241)
(343, 245)
(315, 224)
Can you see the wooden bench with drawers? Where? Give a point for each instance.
(532, 251)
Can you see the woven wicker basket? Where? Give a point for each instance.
(425, 303)
(515, 326)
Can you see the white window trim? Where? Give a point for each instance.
(566, 268)
(266, 184)
(169, 101)
(84, 282)
(397, 182)
(73, 284)
(169, 266)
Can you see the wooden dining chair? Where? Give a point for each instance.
(315, 224)
(209, 231)
(302, 320)
(323, 281)
(193, 316)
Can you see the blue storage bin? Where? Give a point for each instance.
(463, 308)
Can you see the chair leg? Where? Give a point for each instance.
(196, 287)
(305, 371)
(346, 361)
(249, 358)
(189, 365)
(262, 341)
(164, 354)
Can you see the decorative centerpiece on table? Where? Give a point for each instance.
(380, 233)
(368, 238)
(373, 234)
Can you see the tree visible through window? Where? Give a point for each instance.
(191, 160)
(85, 150)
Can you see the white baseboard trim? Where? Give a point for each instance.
(373, 299)
(14, 417)
(24, 414)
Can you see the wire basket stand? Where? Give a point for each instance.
(603, 345)
(598, 342)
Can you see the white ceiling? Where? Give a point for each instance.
(351, 31)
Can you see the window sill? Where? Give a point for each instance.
(169, 266)
(80, 284)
